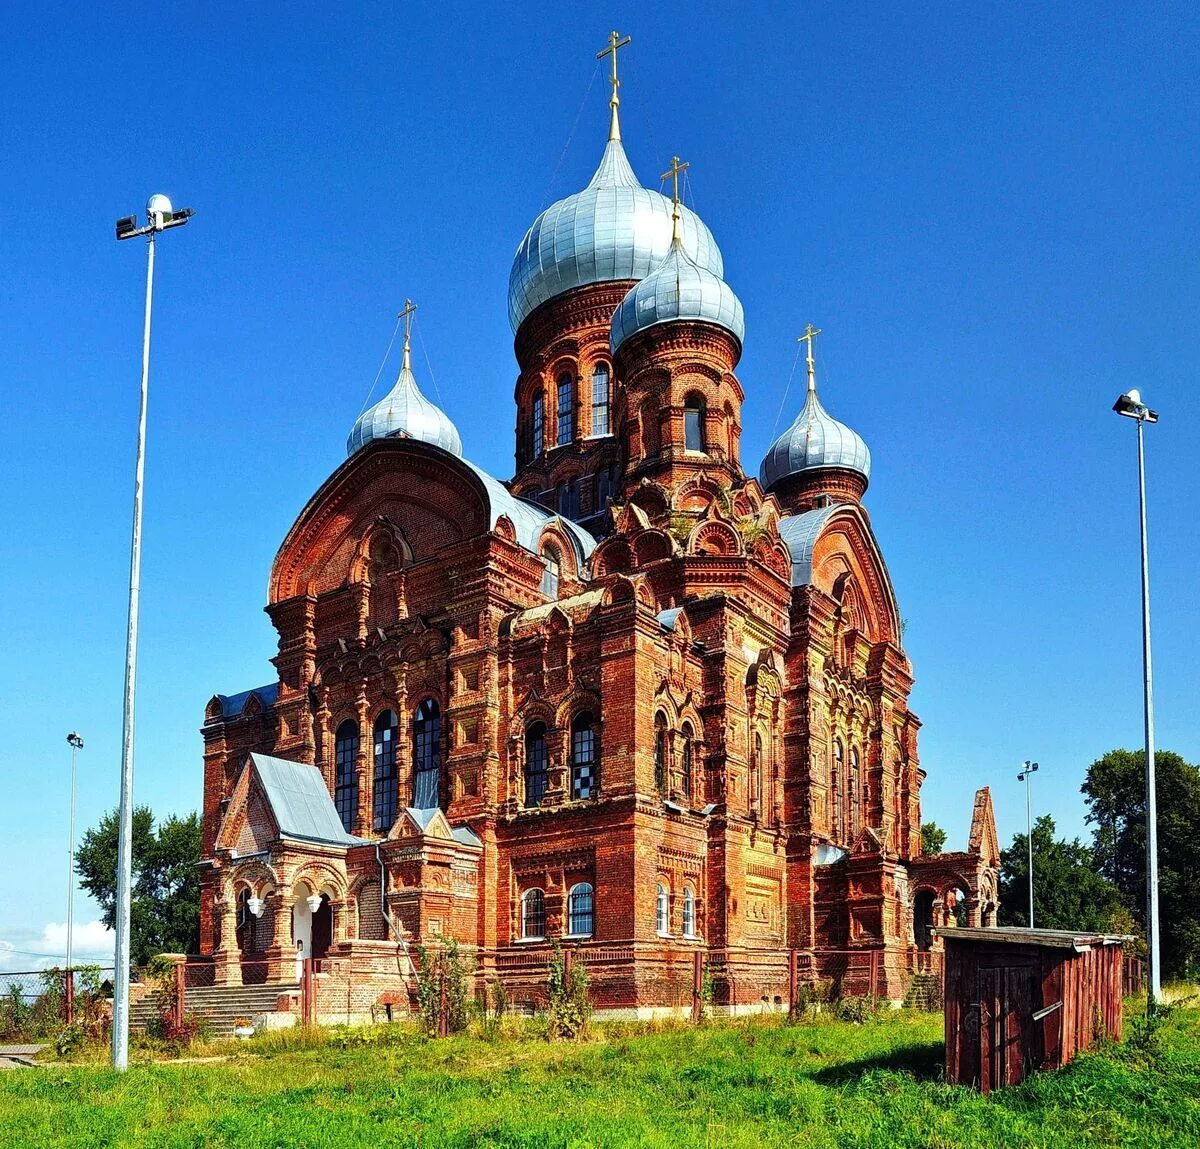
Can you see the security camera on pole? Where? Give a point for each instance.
(159, 217)
(1131, 406)
(1026, 776)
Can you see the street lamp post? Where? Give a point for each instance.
(1026, 776)
(76, 744)
(159, 217)
(1131, 406)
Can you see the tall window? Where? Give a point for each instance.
(660, 753)
(536, 773)
(550, 574)
(756, 773)
(533, 914)
(566, 408)
(386, 726)
(693, 425)
(837, 814)
(345, 774)
(585, 774)
(689, 912)
(539, 424)
(580, 909)
(686, 763)
(854, 795)
(603, 489)
(663, 910)
(427, 754)
(600, 399)
(573, 498)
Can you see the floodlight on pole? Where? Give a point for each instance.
(1026, 775)
(76, 744)
(1131, 406)
(160, 216)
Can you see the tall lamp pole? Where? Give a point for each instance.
(159, 217)
(1026, 776)
(76, 744)
(1131, 406)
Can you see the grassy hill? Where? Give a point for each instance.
(754, 1084)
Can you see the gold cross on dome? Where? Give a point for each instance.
(809, 337)
(407, 314)
(614, 44)
(673, 171)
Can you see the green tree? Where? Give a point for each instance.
(1115, 790)
(165, 899)
(933, 838)
(1068, 893)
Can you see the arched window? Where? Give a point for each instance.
(572, 511)
(566, 408)
(686, 764)
(689, 912)
(693, 424)
(345, 773)
(536, 774)
(756, 775)
(585, 765)
(386, 780)
(550, 574)
(663, 910)
(539, 424)
(427, 754)
(600, 399)
(660, 752)
(836, 812)
(580, 909)
(855, 794)
(533, 914)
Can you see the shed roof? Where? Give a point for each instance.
(1022, 936)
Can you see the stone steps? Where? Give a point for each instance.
(219, 1004)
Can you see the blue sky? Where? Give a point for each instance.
(991, 214)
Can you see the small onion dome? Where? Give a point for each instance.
(679, 288)
(613, 229)
(405, 413)
(815, 440)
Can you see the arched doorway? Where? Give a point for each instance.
(322, 928)
(923, 920)
(254, 969)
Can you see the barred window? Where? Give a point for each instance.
(585, 766)
(386, 780)
(580, 909)
(427, 754)
(600, 399)
(533, 914)
(689, 913)
(663, 910)
(539, 424)
(536, 773)
(345, 776)
(566, 409)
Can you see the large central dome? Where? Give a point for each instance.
(614, 229)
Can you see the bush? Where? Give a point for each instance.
(568, 1007)
(447, 967)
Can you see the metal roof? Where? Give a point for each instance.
(1023, 936)
(405, 412)
(233, 704)
(815, 439)
(300, 802)
(800, 533)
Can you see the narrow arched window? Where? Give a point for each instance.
(837, 813)
(345, 774)
(600, 399)
(660, 752)
(855, 794)
(550, 574)
(427, 754)
(689, 912)
(386, 780)
(533, 914)
(572, 511)
(539, 424)
(686, 763)
(693, 424)
(566, 408)
(756, 773)
(585, 765)
(536, 761)
(663, 910)
(581, 918)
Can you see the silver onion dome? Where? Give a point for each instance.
(815, 439)
(611, 230)
(406, 413)
(677, 289)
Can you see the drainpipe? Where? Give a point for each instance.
(388, 917)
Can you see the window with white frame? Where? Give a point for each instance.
(566, 409)
(663, 910)
(600, 399)
(581, 909)
(533, 914)
(585, 757)
(689, 912)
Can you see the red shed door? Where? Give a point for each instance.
(1006, 1029)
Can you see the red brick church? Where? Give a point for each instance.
(633, 698)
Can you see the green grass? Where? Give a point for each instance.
(822, 1083)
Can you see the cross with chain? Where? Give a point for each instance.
(809, 336)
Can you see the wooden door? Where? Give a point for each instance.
(1006, 1028)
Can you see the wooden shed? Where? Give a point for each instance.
(1020, 999)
